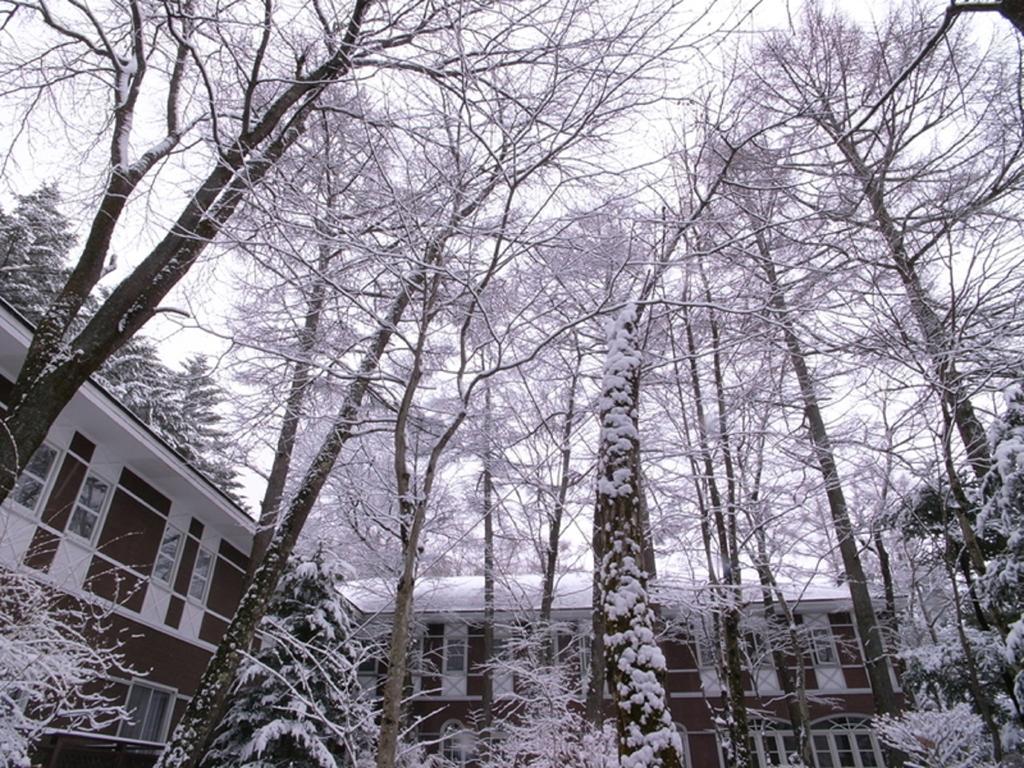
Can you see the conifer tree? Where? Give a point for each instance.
(298, 701)
(198, 435)
(35, 239)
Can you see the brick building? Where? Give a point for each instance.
(108, 512)
(447, 681)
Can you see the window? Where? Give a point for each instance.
(502, 679)
(454, 662)
(89, 506)
(167, 555)
(454, 654)
(705, 647)
(367, 674)
(845, 742)
(823, 650)
(148, 709)
(28, 490)
(586, 649)
(773, 744)
(201, 575)
(456, 744)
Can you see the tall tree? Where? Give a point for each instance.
(298, 700)
(636, 667)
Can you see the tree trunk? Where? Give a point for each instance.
(868, 627)
(487, 699)
(555, 518)
(636, 667)
(301, 378)
(391, 700)
(54, 367)
(727, 589)
(952, 390)
(188, 743)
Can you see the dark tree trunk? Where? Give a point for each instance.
(876, 657)
(55, 367)
(189, 741)
(301, 377)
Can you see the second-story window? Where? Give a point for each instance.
(201, 575)
(823, 651)
(89, 506)
(455, 654)
(28, 490)
(167, 555)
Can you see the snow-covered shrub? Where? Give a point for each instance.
(542, 724)
(298, 700)
(951, 738)
(52, 653)
(939, 672)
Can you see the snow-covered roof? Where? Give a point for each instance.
(522, 592)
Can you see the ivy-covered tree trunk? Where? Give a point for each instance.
(636, 666)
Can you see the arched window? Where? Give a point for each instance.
(456, 744)
(845, 742)
(772, 741)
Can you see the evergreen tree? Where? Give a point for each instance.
(298, 701)
(197, 434)
(1002, 513)
(35, 240)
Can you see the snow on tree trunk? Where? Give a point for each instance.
(636, 666)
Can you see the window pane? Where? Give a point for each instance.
(94, 491)
(844, 750)
(823, 752)
(455, 655)
(83, 521)
(866, 748)
(41, 462)
(29, 487)
(200, 575)
(27, 491)
(167, 555)
(821, 641)
(153, 727)
(138, 700)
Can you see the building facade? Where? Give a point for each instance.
(107, 513)
(448, 663)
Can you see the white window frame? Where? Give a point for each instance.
(456, 744)
(454, 681)
(455, 637)
(851, 727)
(165, 718)
(201, 598)
(182, 537)
(502, 680)
(820, 637)
(46, 483)
(101, 513)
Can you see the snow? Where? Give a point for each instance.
(573, 591)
